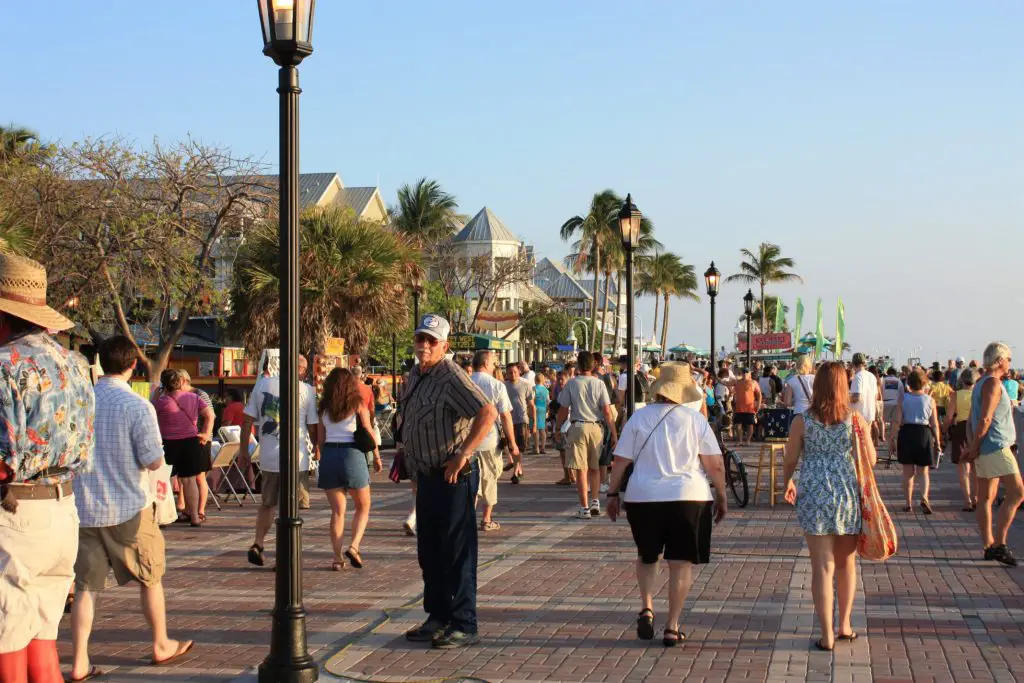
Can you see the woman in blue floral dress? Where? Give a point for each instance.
(827, 498)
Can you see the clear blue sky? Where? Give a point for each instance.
(881, 144)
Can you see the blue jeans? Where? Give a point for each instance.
(446, 545)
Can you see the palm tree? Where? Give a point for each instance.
(772, 305)
(595, 232)
(351, 279)
(764, 267)
(15, 139)
(425, 211)
(680, 280)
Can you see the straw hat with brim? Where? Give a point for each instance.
(675, 382)
(23, 293)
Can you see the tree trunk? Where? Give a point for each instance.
(654, 333)
(617, 320)
(764, 312)
(604, 310)
(664, 328)
(593, 308)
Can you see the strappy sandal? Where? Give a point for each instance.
(354, 557)
(907, 508)
(645, 624)
(256, 554)
(337, 566)
(927, 507)
(672, 637)
(821, 646)
(847, 636)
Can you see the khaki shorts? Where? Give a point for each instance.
(490, 471)
(271, 487)
(996, 464)
(134, 549)
(38, 544)
(583, 446)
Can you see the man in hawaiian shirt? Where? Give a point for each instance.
(46, 435)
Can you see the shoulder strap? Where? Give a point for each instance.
(651, 433)
(800, 381)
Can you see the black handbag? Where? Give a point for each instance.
(363, 438)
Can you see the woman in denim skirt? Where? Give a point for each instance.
(343, 467)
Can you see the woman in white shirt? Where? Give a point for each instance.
(673, 451)
(343, 467)
(799, 387)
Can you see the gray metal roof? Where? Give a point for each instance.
(311, 186)
(612, 294)
(557, 283)
(357, 198)
(485, 227)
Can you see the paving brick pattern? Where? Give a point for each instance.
(558, 601)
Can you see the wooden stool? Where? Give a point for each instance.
(768, 449)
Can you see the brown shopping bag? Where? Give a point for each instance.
(877, 534)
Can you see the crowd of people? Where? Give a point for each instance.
(82, 465)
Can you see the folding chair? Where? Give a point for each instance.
(225, 462)
(384, 423)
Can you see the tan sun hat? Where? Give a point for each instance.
(23, 293)
(676, 383)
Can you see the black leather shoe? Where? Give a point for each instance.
(452, 638)
(426, 632)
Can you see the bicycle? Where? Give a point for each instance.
(735, 472)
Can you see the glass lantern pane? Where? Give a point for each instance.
(284, 19)
(304, 20)
(264, 7)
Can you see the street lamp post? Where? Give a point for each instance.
(712, 279)
(287, 33)
(629, 230)
(571, 339)
(417, 290)
(748, 310)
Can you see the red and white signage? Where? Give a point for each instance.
(772, 341)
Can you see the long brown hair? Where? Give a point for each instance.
(341, 395)
(830, 400)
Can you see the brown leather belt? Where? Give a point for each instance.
(41, 491)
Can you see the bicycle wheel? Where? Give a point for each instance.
(738, 479)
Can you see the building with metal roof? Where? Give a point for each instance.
(485, 228)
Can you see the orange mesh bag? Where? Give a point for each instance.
(877, 539)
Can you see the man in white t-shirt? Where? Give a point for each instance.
(526, 373)
(892, 396)
(264, 410)
(864, 389)
(640, 380)
(487, 453)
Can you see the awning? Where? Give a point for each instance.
(465, 341)
(496, 321)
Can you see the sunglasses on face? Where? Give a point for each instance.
(426, 339)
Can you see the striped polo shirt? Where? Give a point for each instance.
(438, 407)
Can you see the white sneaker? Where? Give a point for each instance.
(583, 513)
(604, 488)
(410, 524)
(595, 508)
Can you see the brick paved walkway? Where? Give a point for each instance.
(558, 599)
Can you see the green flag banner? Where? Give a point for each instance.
(840, 329)
(780, 315)
(799, 318)
(819, 344)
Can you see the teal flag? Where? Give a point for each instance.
(840, 329)
(780, 315)
(819, 344)
(799, 319)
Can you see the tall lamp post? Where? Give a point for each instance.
(629, 230)
(571, 339)
(748, 310)
(417, 290)
(712, 279)
(287, 34)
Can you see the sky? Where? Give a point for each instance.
(880, 144)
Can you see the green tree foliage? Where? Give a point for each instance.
(763, 268)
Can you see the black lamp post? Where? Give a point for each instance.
(712, 279)
(287, 32)
(417, 289)
(748, 309)
(629, 229)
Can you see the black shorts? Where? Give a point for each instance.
(187, 457)
(679, 528)
(744, 419)
(522, 436)
(914, 445)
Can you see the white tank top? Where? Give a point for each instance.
(339, 432)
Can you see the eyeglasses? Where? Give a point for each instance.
(426, 339)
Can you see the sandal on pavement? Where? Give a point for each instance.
(645, 624)
(672, 637)
(183, 649)
(847, 636)
(337, 566)
(926, 506)
(489, 526)
(354, 557)
(256, 555)
(94, 672)
(907, 508)
(819, 643)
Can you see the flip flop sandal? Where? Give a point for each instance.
(354, 557)
(490, 526)
(645, 624)
(847, 636)
(926, 506)
(819, 645)
(256, 555)
(183, 649)
(337, 566)
(94, 672)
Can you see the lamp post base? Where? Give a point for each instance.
(302, 671)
